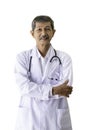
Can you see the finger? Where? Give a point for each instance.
(67, 95)
(64, 94)
(66, 82)
(69, 91)
(70, 88)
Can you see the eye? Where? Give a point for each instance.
(38, 30)
(48, 29)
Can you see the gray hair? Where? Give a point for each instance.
(42, 18)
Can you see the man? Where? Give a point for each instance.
(44, 76)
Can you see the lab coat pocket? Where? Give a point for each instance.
(22, 122)
(63, 119)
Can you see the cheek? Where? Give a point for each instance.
(51, 36)
(36, 36)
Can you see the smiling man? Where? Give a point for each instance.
(44, 76)
(43, 33)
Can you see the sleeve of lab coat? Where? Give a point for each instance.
(27, 87)
(67, 70)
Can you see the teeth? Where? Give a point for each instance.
(44, 38)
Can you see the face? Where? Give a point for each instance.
(43, 33)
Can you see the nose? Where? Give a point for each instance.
(43, 32)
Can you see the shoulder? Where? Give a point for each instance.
(24, 55)
(65, 57)
(63, 54)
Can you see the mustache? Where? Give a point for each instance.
(44, 37)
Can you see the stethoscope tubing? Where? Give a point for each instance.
(55, 56)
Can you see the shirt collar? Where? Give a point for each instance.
(47, 55)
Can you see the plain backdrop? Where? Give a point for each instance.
(70, 18)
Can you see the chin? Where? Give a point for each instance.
(45, 42)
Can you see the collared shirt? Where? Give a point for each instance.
(43, 60)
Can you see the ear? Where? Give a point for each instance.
(54, 32)
(32, 33)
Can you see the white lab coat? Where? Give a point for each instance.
(39, 109)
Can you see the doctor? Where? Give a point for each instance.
(44, 76)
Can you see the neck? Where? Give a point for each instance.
(43, 50)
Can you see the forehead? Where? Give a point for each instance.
(43, 24)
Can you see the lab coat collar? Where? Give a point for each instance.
(36, 53)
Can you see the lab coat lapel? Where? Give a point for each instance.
(46, 72)
(36, 64)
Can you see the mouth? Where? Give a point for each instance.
(44, 37)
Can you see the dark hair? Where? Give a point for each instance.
(42, 18)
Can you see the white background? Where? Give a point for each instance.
(70, 17)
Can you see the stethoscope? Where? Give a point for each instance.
(51, 60)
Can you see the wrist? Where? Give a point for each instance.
(53, 91)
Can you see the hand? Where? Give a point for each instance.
(63, 89)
